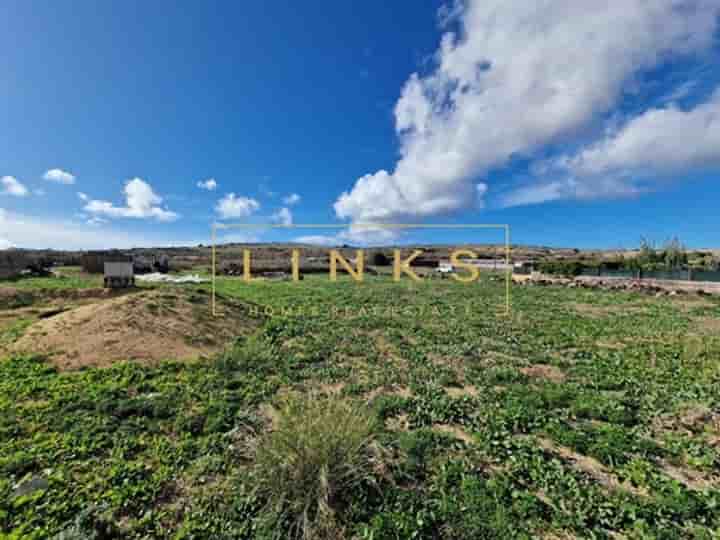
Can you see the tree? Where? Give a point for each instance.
(674, 255)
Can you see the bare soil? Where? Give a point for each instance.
(146, 326)
(544, 371)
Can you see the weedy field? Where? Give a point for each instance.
(377, 410)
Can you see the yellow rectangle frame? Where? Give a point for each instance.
(504, 227)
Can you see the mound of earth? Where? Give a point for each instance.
(147, 326)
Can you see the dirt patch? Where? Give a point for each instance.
(693, 480)
(455, 431)
(590, 466)
(332, 388)
(708, 326)
(400, 422)
(386, 349)
(599, 311)
(690, 303)
(614, 345)
(401, 391)
(464, 391)
(146, 326)
(544, 371)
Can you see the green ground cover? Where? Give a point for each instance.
(585, 414)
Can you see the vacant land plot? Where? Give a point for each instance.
(585, 414)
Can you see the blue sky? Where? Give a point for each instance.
(587, 127)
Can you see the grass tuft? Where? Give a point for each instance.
(319, 451)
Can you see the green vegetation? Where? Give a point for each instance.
(72, 280)
(317, 454)
(673, 256)
(10, 333)
(587, 413)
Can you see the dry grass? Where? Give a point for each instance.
(320, 449)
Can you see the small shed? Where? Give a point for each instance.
(119, 275)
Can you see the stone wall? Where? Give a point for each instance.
(709, 287)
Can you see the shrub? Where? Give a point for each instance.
(319, 451)
(250, 354)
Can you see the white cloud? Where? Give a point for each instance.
(356, 235)
(232, 206)
(292, 199)
(318, 240)
(96, 221)
(82, 196)
(12, 186)
(140, 202)
(480, 192)
(517, 77)
(648, 148)
(283, 216)
(235, 237)
(661, 141)
(210, 184)
(40, 233)
(569, 188)
(59, 176)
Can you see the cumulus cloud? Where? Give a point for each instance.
(659, 141)
(12, 186)
(82, 196)
(59, 176)
(516, 77)
(359, 235)
(647, 149)
(140, 202)
(292, 199)
(318, 240)
(210, 184)
(283, 216)
(232, 206)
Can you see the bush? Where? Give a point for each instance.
(318, 453)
